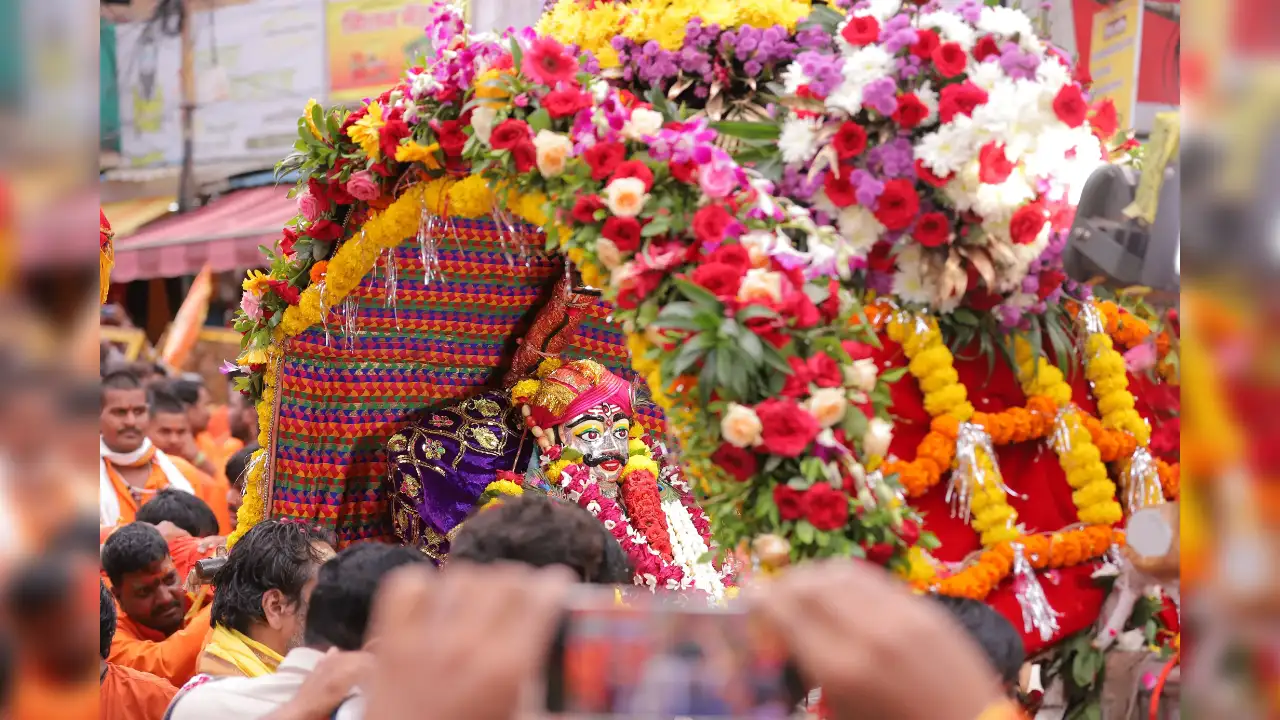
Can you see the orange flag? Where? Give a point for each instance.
(185, 329)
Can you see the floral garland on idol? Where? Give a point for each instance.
(734, 307)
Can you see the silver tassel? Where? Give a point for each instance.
(1092, 319)
(427, 247)
(350, 320)
(392, 284)
(969, 473)
(1037, 613)
(324, 314)
(1141, 482)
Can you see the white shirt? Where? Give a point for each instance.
(253, 698)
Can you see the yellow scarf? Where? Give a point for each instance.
(250, 657)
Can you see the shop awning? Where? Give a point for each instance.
(129, 216)
(225, 234)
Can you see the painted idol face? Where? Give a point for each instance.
(600, 434)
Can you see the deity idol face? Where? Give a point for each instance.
(601, 435)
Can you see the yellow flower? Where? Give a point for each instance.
(311, 123)
(548, 366)
(524, 390)
(504, 487)
(252, 356)
(640, 463)
(471, 198)
(425, 154)
(489, 86)
(255, 282)
(364, 132)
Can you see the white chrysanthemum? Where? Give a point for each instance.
(846, 98)
(798, 140)
(947, 149)
(909, 283)
(999, 202)
(950, 27)
(927, 95)
(962, 191)
(1003, 21)
(882, 10)
(867, 64)
(986, 75)
(860, 229)
(1052, 75)
(793, 77)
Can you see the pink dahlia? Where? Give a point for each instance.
(548, 62)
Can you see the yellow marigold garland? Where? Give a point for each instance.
(1105, 367)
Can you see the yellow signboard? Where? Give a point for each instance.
(370, 43)
(1114, 54)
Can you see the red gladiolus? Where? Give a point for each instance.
(880, 553)
(734, 256)
(1069, 106)
(927, 175)
(450, 136)
(861, 31)
(685, 172)
(1104, 120)
(719, 279)
(797, 384)
(986, 47)
(565, 101)
(839, 190)
(926, 42)
(849, 141)
(508, 133)
(289, 236)
(1050, 280)
(824, 371)
(788, 428)
(993, 165)
(932, 230)
(960, 99)
(711, 223)
(285, 291)
(525, 156)
(585, 207)
(910, 532)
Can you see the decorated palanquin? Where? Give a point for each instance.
(851, 311)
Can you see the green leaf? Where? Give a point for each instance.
(748, 130)
(805, 532)
(539, 120)
(317, 117)
(657, 226)
(893, 375)
(774, 359)
(752, 346)
(690, 353)
(823, 17)
(699, 295)
(753, 311)
(517, 55)
(1086, 666)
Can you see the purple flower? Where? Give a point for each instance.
(753, 68)
(866, 187)
(970, 10)
(881, 95)
(1030, 284)
(893, 159)
(824, 71)
(813, 38)
(1018, 64)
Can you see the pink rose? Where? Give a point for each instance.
(251, 304)
(717, 180)
(363, 186)
(310, 207)
(1140, 358)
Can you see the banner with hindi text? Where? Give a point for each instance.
(370, 43)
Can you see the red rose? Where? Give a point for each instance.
(685, 172)
(861, 31)
(880, 553)
(289, 236)
(525, 155)
(603, 159)
(711, 223)
(926, 42)
(739, 462)
(565, 101)
(1104, 120)
(880, 259)
(840, 191)
(635, 169)
(993, 165)
(450, 136)
(985, 48)
(636, 288)
(825, 507)
(624, 232)
(910, 532)
(1069, 106)
(933, 229)
(392, 132)
(831, 306)
(959, 99)
(284, 290)
(734, 256)
(1050, 280)
(788, 428)
(509, 133)
(1027, 223)
(898, 204)
(858, 350)
(911, 111)
(950, 59)
(585, 207)
(849, 141)
(770, 329)
(825, 371)
(927, 175)
(801, 310)
(790, 502)
(722, 280)
(797, 385)
(325, 230)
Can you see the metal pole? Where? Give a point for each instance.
(187, 181)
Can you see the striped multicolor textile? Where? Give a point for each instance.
(340, 398)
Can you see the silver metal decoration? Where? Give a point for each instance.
(350, 320)
(324, 313)
(427, 251)
(1141, 482)
(969, 473)
(1037, 613)
(391, 283)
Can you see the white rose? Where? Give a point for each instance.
(643, 122)
(740, 426)
(761, 284)
(1131, 641)
(877, 438)
(758, 244)
(861, 375)
(553, 151)
(827, 405)
(625, 197)
(608, 253)
(482, 118)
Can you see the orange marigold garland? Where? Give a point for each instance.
(1049, 551)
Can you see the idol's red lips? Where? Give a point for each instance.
(610, 465)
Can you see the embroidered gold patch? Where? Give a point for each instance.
(398, 444)
(554, 398)
(486, 407)
(440, 421)
(432, 449)
(593, 370)
(486, 437)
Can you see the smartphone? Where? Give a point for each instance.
(655, 658)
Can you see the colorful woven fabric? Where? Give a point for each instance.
(340, 400)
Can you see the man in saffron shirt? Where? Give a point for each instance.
(170, 432)
(125, 693)
(153, 633)
(131, 468)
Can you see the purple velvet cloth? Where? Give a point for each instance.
(440, 465)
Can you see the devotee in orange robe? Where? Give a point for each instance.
(170, 432)
(131, 468)
(153, 633)
(125, 693)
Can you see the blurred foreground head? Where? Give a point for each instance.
(143, 579)
(998, 638)
(265, 587)
(338, 615)
(52, 629)
(539, 531)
